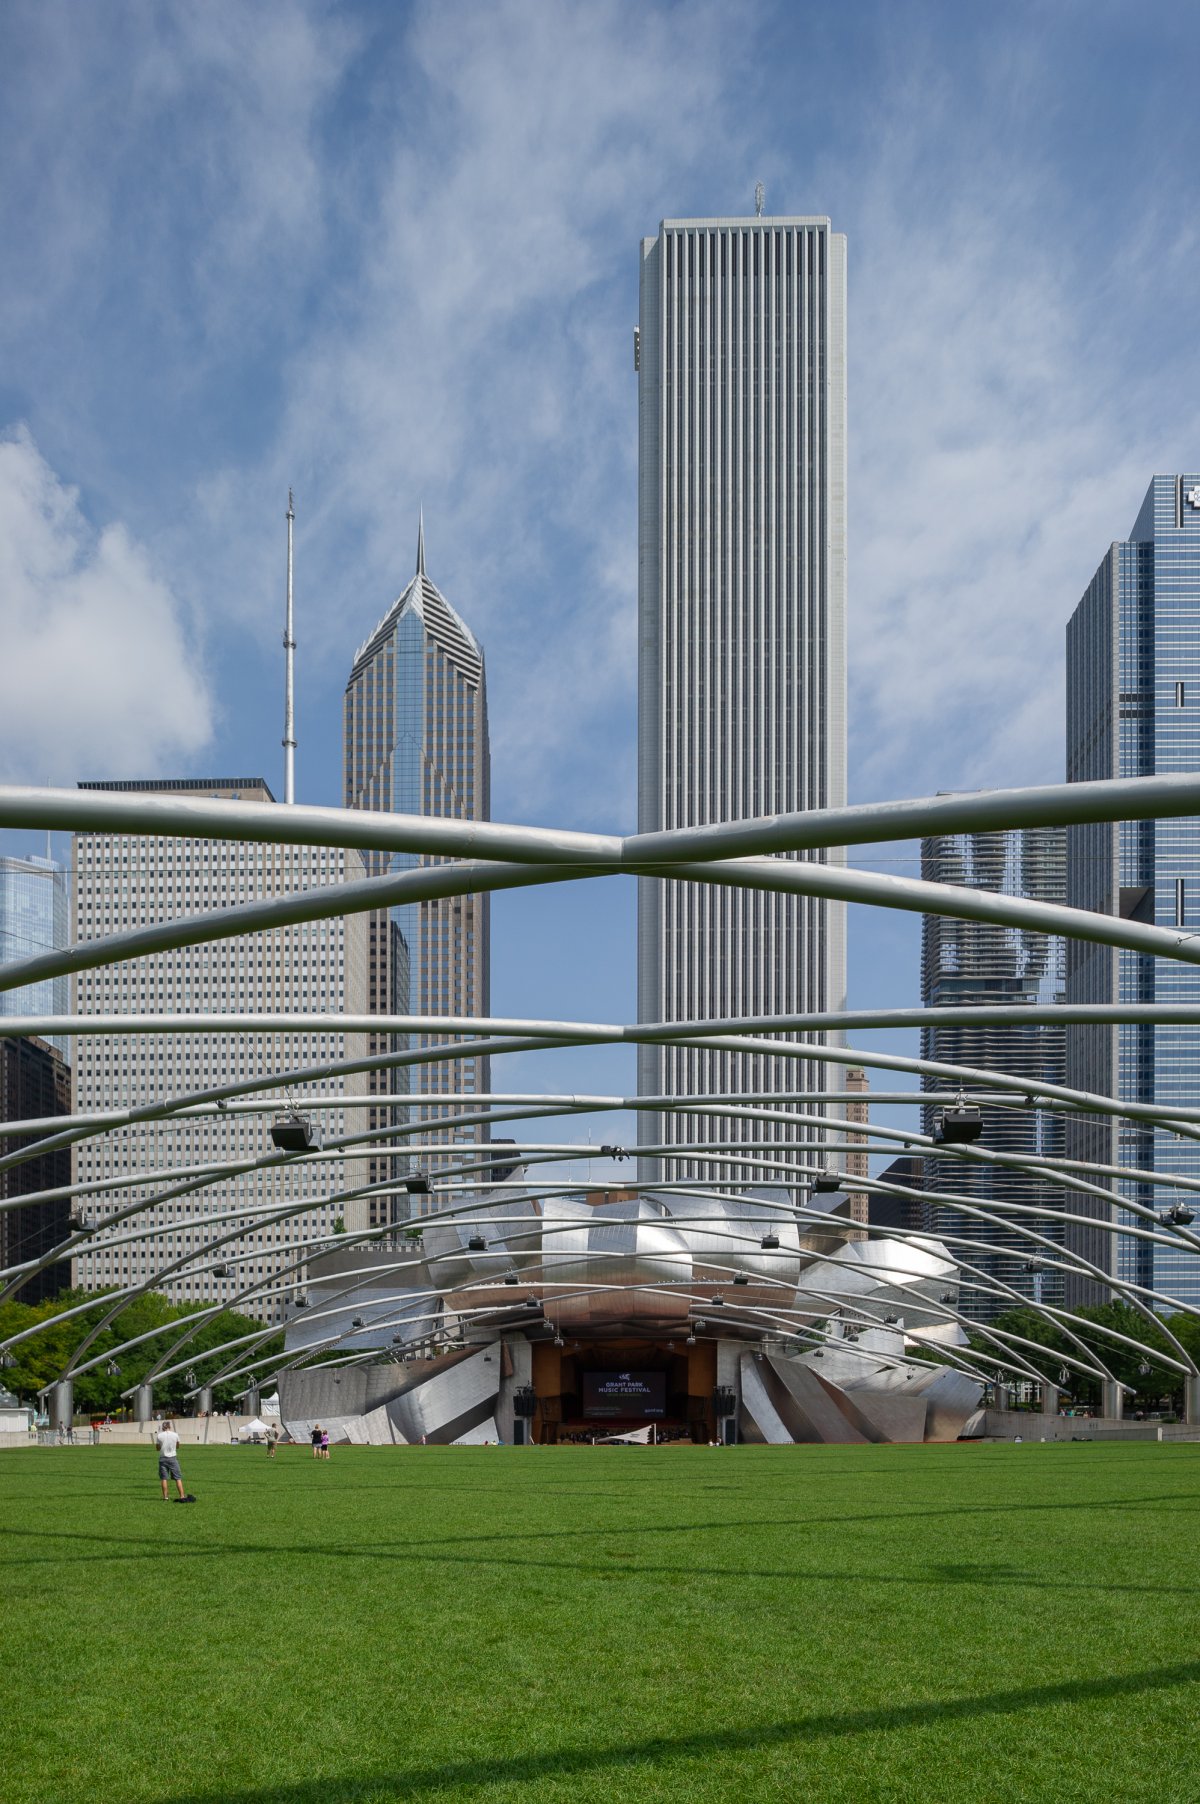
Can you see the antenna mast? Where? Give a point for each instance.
(289, 654)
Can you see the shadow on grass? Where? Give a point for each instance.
(620, 1564)
(660, 1749)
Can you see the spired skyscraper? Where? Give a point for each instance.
(741, 355)
(416, 742)
(1133, 710)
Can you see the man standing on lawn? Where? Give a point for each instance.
(167, 1442)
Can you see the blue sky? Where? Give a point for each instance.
(388, 254)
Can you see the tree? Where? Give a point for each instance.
(40, 1360)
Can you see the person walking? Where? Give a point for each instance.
(315, 1438)
(324, 1443)
(272, 1442)
(167, 1442)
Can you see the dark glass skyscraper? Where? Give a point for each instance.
(1133, 709)
(35, 917)
(970, 963)
(416, 742)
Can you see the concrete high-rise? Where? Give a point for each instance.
(1133, 709)
(741, 355)
(416, 742)
(973, 963)
(130, 880)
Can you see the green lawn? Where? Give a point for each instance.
(685, 1624)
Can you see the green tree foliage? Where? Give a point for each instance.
(1152, 1386)
(40, 1359)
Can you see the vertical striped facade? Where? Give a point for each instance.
(416, 742)
(741, 602)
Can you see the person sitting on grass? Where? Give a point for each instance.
(167, 1442)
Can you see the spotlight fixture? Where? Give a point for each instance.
(948, 1296)
(189, 1377)
(613, 1152)
(532, 1303)
(957, 1126)
(716, 1301)
(220, 1271)
(700, 1323)
(1177, 1216)
(510, 1277)
(1144, 1369)
(769, 1242)
(558, 1340)
(740, 1278)
(826, 1183)
(1064, 1376)
(113, 1369)
(891, 1320)
(418, 1184)
(397, 1340)
(690, 1341)
(295, 1133)
(477, 1244)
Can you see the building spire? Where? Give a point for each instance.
(289, 658)
(421, 543)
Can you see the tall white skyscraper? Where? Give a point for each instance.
(741, 355)
(129, 880)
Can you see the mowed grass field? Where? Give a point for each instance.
(678, 1624)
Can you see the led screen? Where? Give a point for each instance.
(624, 1394)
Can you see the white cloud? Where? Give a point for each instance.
(97, 676)
(1003, 431)
(481, 359)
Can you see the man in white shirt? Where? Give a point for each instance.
(167, 1442)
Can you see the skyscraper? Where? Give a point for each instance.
(973, 963)
(34, 917)
(35, 1084)
(1133, 709)
(128, 880)
(416, 742)
(741, 354)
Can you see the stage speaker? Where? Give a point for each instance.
(730, 1426)
(520, 1432)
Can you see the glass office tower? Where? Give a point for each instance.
(969, 963)
(416, 742)
(741, 355)
(34, 918)
(1133, 709)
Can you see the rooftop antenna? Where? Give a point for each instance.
(289, 654)
(760, 196)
